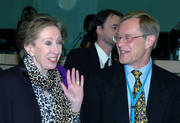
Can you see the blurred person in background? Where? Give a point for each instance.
(99, 54)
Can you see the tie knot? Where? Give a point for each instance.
(136, 73)
(106, 64)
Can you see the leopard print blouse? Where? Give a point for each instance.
(47, 106)
(56, 108)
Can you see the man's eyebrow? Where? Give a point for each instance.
(115, 25)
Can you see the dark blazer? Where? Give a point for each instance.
(105, 99)
(18, 102)
(86, 60)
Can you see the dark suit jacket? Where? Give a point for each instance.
(86, 60)
(105, 99)
(18, 103)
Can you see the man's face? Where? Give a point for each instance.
(109, 29)
(131, 44)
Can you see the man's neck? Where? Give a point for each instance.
(106, 48)
(142, 64)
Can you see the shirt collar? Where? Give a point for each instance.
(102, 55)
(144, 69)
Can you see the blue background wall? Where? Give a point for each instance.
(166, 12)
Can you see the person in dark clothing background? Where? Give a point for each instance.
(88, 38)
(86, 60)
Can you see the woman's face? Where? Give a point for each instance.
(47, 49)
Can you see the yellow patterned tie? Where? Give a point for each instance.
(140, 107)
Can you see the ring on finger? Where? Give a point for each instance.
(78, 82)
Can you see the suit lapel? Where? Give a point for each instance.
(157, 100)
(31, 95)
(119, 77)
(116, 99)
(94, 57)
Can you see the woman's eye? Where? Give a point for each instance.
(48, 43)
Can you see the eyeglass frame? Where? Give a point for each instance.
(129, 38)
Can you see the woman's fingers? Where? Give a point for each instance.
(68, 77)
(82, 80)
(73, 76)
(77, 77)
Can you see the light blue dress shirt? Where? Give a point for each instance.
(131, 80)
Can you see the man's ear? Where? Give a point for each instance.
(29, 49)
(150, 40)
(99, 30)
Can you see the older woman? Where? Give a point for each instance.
(35, 91)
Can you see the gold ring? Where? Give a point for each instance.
(78, 82)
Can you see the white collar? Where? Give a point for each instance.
(103, 57)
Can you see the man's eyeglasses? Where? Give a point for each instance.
(129, 38)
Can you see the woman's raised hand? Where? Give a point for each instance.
(74, 92)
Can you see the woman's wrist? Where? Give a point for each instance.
(76, 108)
(75, 112)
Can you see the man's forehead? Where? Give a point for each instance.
(130, 20)
(129, 27)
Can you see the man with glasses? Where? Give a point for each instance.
(138, 91)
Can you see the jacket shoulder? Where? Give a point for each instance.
(106, 74)
(78, 57)
(165, 73)
(12, 75)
